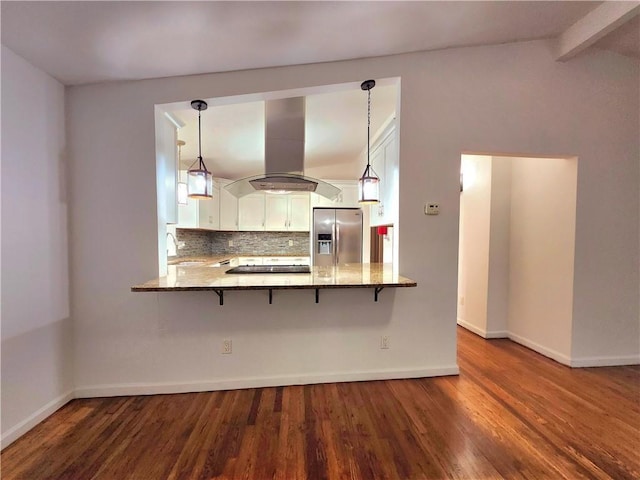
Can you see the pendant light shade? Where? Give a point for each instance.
(183, 191)
(199, 179)
(369, 183)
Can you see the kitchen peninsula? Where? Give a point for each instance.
(210, 274)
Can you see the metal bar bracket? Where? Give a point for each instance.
(220, 294)
(377, 291)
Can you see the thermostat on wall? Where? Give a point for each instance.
(431, 209)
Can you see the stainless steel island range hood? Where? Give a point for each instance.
(284, 154)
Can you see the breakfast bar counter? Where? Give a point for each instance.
(214, 278)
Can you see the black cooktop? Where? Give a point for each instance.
(270, 269)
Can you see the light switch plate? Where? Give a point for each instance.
(431, 208)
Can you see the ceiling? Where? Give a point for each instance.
(87, 42)
(81, 42)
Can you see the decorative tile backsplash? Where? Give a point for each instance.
(202, 242)
(196, 242)
(261, 243)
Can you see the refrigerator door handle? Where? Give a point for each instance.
(337, 244)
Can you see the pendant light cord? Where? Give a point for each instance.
(199, 140)
(368, 126)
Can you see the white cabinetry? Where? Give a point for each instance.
(287, 213)
(384, 159)
(250, 260)
(286, 261)
(277, 214)
(299, 218)
(251, 212)
(204, 214)
(166, 168)
(255, 212)
(228, 208)
(270, 261)
(348, 197)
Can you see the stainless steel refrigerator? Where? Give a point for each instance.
(337, 236)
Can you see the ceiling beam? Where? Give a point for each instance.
(593, 26)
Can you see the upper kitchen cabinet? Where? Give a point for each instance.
(228, 207)
(348, 196)
(203, 214)
(166, 168)
(287, 213)
(384, 159)
(251, 212)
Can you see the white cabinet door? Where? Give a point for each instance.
(348, 196)
(251, 210)
(377, 209)
(287, 213)
(277, 213)
(298, 218)
(384, 159)
(390, 192)
(286, 261)
(228, 209)
(209, 211)
(167, 154)
(320, 201)
(202, 214)
(250, 261)
(188, 214)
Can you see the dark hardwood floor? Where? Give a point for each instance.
(510, 414)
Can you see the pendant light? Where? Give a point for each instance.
(369, 183)
(200, 181)
(183, 191)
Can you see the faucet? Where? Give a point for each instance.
(175, 242)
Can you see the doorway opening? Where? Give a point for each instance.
(516, 250)
(381, 239)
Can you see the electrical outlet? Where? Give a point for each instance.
(226, 346)
(384, 342)
(291, 243)
(231, 243)
(431, 208)
(181, 245)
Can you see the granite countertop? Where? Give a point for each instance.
(208, 277)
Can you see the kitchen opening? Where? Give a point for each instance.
(516, 249)
(285, 167)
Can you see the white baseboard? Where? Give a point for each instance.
(483, 333)
(547, 352)
(605, 361)
(34, 419)
(257, 382)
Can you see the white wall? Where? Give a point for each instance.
(128, 342)
(483, 263)
(543, 200)
(499, 246)
(475, 224)
(36, 331)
